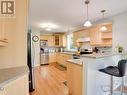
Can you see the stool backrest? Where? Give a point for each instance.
(122, 67)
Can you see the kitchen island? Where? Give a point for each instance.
(95, 82)
(74, 76)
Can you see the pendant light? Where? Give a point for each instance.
(87, 23)
(103, 27)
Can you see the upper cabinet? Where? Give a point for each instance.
(49, 39)
(4, 26)
(59, 40)
(78, 36)
(95, 36)
(106, 37)
(100, 38)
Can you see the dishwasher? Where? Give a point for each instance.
(44, 57)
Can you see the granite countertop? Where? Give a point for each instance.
(9, 74)
(101, 55)
(75, 61)
(69, 53)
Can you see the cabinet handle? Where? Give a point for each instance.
(1, 88)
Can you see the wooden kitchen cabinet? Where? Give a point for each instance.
(95, 36)
(52, 58)
(75, 38)
(106, 37)
(64, 40)
(49, 39)
(80, 34)
(62, 58)
(59, 40)
(74, 79)
(99, 38)
(18, 86)
(5, 25)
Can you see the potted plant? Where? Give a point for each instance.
(119, 49)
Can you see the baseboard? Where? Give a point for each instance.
(37, 65)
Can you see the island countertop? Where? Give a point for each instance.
(9, 74)
(68, 53)
(102, 55)
(75, 61)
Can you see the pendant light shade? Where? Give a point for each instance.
(103, 27)
(88, 22)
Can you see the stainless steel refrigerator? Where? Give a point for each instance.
(30, 61)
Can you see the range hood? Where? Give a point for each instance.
(83, 40)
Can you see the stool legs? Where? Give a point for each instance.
(111, 86)
(122, 86)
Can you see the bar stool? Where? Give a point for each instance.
(117, 71)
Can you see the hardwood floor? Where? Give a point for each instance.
(49, 81)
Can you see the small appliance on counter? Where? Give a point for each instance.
(96, 50)
(81, 52)
(43, 43)
(75, 56)
(86, 51)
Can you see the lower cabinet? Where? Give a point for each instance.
(52, 58)
(62, 58)
(17, 87)
(74, 79)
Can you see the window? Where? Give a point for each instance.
(70, 44)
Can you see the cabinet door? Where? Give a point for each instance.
(49, 38)
(64, 40)
(17, 87)
(56, 40)
(95, 36)
(74, 79)
(75, 38)
(52, 57)
(4, 25)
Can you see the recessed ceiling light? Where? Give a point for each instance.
(48, 25)
(48, 29)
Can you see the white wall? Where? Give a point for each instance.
(36, 48)
(120, 31)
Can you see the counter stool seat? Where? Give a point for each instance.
(117, 71)
(111, 70)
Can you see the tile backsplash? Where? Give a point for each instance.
(101, 49)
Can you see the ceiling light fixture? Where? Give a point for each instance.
(87, 23)
(48, 29)
(46, 25)
(103, 27)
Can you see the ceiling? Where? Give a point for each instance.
(69, 14)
